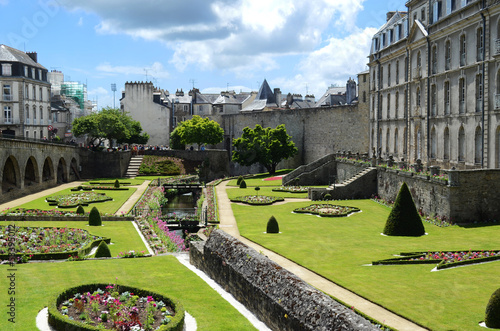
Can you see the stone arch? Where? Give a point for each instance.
(11, 178)
(31, 174)
(48, 170)
(62, 172)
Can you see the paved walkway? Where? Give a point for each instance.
(125, 208)
(228, 224)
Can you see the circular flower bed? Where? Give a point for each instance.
(114, 307)
(327, 210)
(292, 189)
(257, 199)
(76, 199)
(46, 243)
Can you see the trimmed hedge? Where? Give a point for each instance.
(492, 318)
(243, 184)
(311, 210)
(272, 225)
(95, 217)
(270, 200)
(102, 250)
(61, 322)
(80, 210)
(404, 219)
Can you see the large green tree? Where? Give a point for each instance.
(109, 123)
(199, 131)
(266, 146)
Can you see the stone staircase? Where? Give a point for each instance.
(133, 166)
(353, 178)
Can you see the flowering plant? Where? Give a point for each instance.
(131, 254)
(327, 210)
(257, 199)
(292, 189)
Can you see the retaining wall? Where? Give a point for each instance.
(276, 296)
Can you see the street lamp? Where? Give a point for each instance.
(113, 88)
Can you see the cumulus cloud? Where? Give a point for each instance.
(235, 35)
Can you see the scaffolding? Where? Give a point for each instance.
(76, 91)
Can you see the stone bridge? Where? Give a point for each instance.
(30, 166)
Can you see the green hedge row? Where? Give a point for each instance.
(61, 322)
(101, 188)
(264, 203)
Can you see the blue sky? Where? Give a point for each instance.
(300, 46)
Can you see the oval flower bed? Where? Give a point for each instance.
(446, 259)
(260, 200)
(327, 210)
(292, 189)
(46, 243)
(76, 199)
(114, 307)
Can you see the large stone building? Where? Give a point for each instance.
(25, 99)
(434, 84)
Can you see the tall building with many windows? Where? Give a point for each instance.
(435, 84)
(25, 96)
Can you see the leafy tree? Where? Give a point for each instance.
(175, 140)
(200, 131)
(266, 146)
(109, 123)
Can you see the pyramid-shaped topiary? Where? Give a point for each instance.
(243, 184)
(117, 184)
(238, 181)
(404, 219)
(103, 250)
(95, 217)
(492, 319)
(80, 210)
(272, 225)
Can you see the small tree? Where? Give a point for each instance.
(238, 181)
(200, 131)
(103, 250)
(80, 210)
(257, 189)
(492, 318)
(243, 184)
(117, 183)
(404, 219)
(95, 217)
(272, 225)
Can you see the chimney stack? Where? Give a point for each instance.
(33, 56)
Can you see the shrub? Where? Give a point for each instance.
(243, 184)
(404, 219)
(492, 318)
(272, 225)
(117, 183)
(95, 217)
(257, 189)
(103, 250)
(80, 210)
(238, 181)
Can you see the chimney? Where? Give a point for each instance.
(33, 56)
(277, 96)
(390, 14)
(350, 91)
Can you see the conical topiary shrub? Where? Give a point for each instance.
(238, 181)
(80, 210)
(103, 250)
(272, 225)
(95, 217)
(404, 219)
(492, 319)
(243, 184)
(117, 183)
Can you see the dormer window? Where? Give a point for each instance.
(6, 69)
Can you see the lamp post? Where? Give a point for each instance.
(113, 88)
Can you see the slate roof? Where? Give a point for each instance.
(265, 93)
(9, 54)
(334, 96)
(232, 98)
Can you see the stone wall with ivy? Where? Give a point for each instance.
(276, 296)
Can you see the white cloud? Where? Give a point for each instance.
(155, 70)
(80, 21)
(4, 2)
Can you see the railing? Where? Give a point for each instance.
(7, 97)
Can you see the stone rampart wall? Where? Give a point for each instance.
(276, 296)
(104, 164)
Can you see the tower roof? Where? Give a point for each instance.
(9, 54)
(265, 93)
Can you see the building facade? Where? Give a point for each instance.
(434, 84)
(25, 99)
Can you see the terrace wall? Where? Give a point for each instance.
(276, 296)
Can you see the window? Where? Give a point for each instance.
(6, 69)
(447, 55)
(479, 44)
(461, 144)
(41, 94)
(422, 14)
(463, 48)
(396, 105)
(7, 114)
(41, 112)
(450, 6)
(419, 60)
(406, 69)
(381, 77)
(479, 92)
(389, 74)
(396, 142)
(434, 60)
(436, 11)
(25, 71)
(388, 105)
(405, 138)
(26, 92)
(433, 143)
(397, 72)
(447, 97)
(478, 145)
(34, 114)
(433, 100)
(364, 96)
(462, 94)
(34, 93)
(7, 93)
(33, 73)
(418, 97)
(387, 135)
(40, 74)
(446, 151)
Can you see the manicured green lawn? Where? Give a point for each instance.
(340, 249)
(108, 207)
(35, 283)
(258, 180)
(124, 236)
(233, 192)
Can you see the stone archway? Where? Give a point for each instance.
(31, 176)
(62, 172)
(48, 170)
(11, 178)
